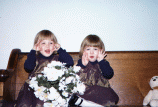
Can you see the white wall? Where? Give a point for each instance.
(123, 25)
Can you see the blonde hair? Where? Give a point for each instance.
(45, 34)
(91, 40)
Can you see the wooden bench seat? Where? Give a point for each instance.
(132, 72)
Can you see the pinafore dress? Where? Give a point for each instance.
(98, 89)
(26, 97)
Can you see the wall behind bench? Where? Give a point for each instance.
(123, 25)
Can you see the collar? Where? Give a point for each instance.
(44, 57)
(93, 63)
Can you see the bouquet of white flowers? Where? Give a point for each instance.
(56, 83)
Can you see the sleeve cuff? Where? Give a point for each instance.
(102, 62)
(60, 50)
(32, 51)
(80, 64)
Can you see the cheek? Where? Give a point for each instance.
(52, 47)
(96, 52)
(40, 47)
(87, 53)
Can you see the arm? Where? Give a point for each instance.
(80, 64)
(65, 57)
(30, 62)
(147, 98)
(106, 69)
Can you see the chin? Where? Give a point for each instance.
(47, 55)
(92, 60)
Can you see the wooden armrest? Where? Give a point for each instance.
(5, 74)
(13, 59)
(10, 82)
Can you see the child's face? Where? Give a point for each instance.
(46, 47)
(92, 53)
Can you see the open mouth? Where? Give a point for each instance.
(91, 56)
(47, 51)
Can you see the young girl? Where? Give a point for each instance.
(43, 52)
(95, 73)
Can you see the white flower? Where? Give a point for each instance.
(64, 93)
(53, 104)
(62, 80)
(33, 80)
(70, 79)
(74, 90)
(56, 63)
(53, 95)
(39, 75)
(61, 101)
(52, 74)
(77, 78)
(81, 88)
(40, 91)
(49, 65)
(43, 96)
(76, 68)
(62, 86)
(33, 83)
(56, 103)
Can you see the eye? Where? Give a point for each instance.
(87, 49)
(96, 49)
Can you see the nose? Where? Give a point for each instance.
(91, 51)
(47, 45)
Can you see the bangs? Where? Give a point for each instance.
(45, 34)
(44, 37)
(92, 43)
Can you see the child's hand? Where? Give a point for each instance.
(36, 46)
(101, 55)
(85, 59)
(57, 47)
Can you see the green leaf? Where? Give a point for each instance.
(58, 67)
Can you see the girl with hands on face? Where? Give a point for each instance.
(46, 47)
(95, 73)
(92, 54)
(44, 51)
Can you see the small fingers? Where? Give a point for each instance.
(36, 46)
(83, 56)
(38, 42)
(104, 53)
(56, 47)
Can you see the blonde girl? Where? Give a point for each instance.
(43, 52)
(95, 73)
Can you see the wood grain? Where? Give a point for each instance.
(132, 72)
